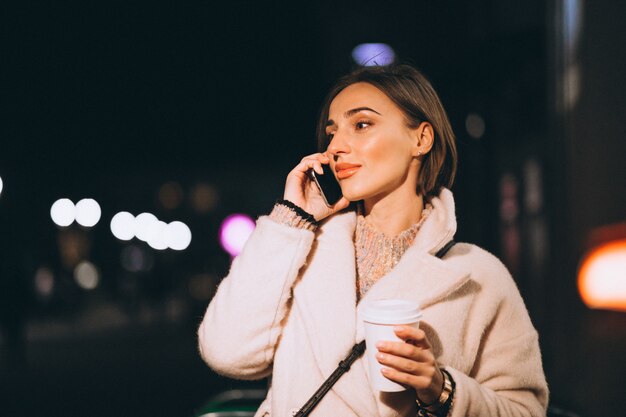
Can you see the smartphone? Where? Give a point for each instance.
(327, 184)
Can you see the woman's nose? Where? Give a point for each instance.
(338, 144)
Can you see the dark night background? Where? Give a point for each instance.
(112, 100)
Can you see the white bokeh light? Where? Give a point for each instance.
(177, 235)
(1, 185)
(88, 212)
(123, 225)
(158, 239)
(146, 226)
(63, 212)
(87, 275)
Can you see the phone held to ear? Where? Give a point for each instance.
(327, 184)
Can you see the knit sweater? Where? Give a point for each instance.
(376, 253)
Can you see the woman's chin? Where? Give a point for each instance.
(353, 195)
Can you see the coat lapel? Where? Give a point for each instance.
(326, 299)
(326, 294)
(418, 277)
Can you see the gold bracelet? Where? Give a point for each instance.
(446, 391)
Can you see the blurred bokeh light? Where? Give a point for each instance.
(63, 212)
(602, 277)
(135, 258)
(372, 54)
(475, 125)
(157, 238)
(156, 233)
(177, 235)
(204, 198)
(74, 246)
(87, 275)
(202, 286)
(235, 231)
(123, 225)
(170, 195)
(146, 225)
(88, 212)
(44, 282)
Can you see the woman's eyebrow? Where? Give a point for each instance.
(358, 109)
(352, 112)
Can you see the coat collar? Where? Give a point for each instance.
(326, 294)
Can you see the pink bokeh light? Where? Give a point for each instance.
(234, 232)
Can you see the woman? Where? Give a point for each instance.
(288, 307)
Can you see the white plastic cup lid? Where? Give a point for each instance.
(391, 312)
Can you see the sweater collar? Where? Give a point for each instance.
(438, 229)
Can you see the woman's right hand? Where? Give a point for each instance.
(300, 190)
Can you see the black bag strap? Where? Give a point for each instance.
(344, 365)
(442, 252)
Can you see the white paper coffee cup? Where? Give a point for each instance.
(379, 317)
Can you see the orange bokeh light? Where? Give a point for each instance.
(602, 277)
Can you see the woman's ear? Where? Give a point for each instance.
(424, 136)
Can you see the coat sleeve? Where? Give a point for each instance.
(242, 325)
(507, 377)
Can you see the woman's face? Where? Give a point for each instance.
(372, 149)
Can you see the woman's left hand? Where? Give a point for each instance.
(411, 363)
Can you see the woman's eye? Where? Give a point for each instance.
(361, 125)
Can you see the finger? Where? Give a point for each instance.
(341, 204)
(419, 382)
(318, 157)
(410, 366)
(402, 349)
(397, 348)
(307, 164)
(318, 167)
(412, 335)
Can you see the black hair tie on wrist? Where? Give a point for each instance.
(299, 211)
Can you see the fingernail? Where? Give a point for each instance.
(384, 370)
(398, 328)
(380, 344)
(380, 356)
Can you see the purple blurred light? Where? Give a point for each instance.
(373, 54)
(235, 231)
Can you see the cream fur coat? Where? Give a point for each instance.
(288, 309)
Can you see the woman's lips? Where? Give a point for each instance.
(347, 172)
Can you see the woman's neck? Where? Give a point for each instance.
(395, 212)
